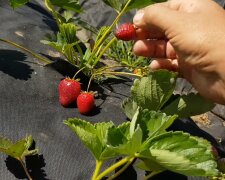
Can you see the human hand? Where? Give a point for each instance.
(189, 37)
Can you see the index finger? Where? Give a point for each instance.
(152, 33)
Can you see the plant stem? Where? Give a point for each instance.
(104, 50)
(111, 27)
(25, 169)
(50, 7)
(122, 169)
(97, 169)
(122, 73)
(89, 83)
(26, 50)
(113, 167)
(109, 67)
(153, 173)
(78, 72)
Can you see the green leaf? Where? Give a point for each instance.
(68, 16)
(72, 5)
(137, 4)
(115, 136)
(94, 136)
(118, 135)
(67, 43)
(115, 4)
(129, 107)
(19, 149)
(153, 91)
(188, 105)
(68, 31)
(88, 134)
(153, 123)
(121, 141)
(101, 32)
(17, 3)
(181, 153)
(102, 130)
(5, 143)
(55, 45)
(149, 165)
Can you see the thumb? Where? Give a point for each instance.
(161, 16)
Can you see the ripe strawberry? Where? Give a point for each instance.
(125, 32)
(85, 102)
(69, 89)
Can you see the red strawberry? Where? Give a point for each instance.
(69, 89)
(125, 32)
(85, 102)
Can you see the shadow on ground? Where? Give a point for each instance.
(13, 63)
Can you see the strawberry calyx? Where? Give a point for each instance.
(72, 79)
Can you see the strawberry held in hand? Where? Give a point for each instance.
(69, 89)
(85, 102)
(125, 32)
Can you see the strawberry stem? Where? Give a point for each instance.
(25, 169)
(97, 169)
(78, 72)
(104, 50)
(113, 167)
(50, 7)
(122, 169)
(26, 50)
(110, 67)
(89, 83)
(119, 73)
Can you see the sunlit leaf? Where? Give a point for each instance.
(88, 135)
(153, 91)
(188, 105)
(19, 149)
(72, 5)
(181, 153)
(121, 141)
(115, 4)
(129, 107)
(137, 4)
(153, 123)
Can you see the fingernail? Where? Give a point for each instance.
(138, 17)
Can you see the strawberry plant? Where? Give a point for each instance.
(152, 108)
(18, 150)
(68, 44)
(122, 52)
